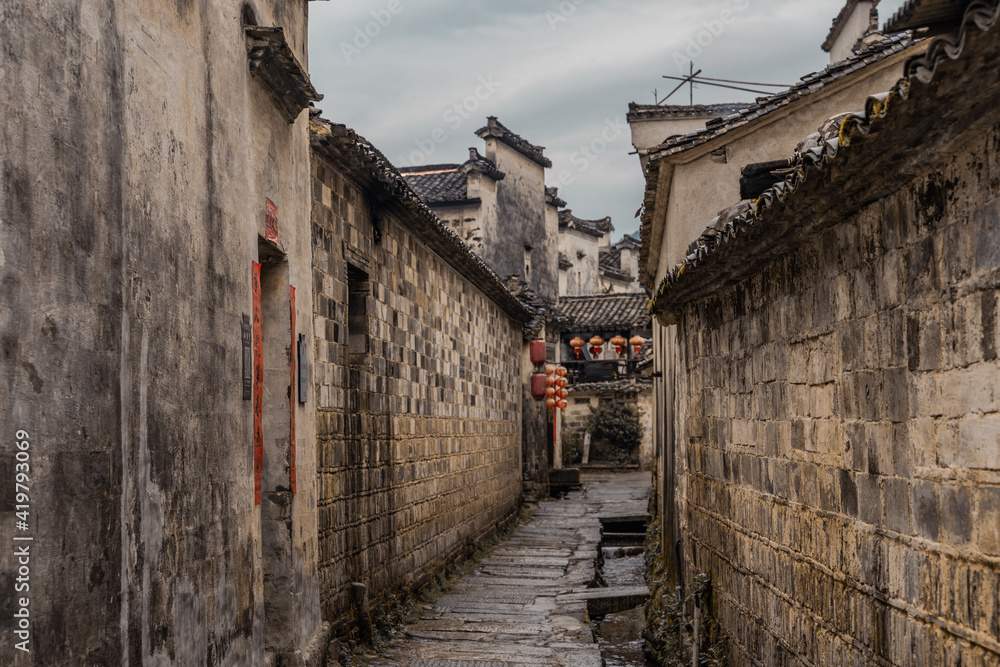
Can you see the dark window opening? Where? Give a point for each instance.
(357, 310)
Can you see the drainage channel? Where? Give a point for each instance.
(619, 617)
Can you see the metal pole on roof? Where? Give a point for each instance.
(679, 86)
(691, 79)
(717, 85)
(746, 83)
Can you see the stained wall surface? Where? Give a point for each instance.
(419, 423)
(838, 416)
(138, 153)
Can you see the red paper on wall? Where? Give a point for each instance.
(271, 221)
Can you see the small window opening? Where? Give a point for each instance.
(357, 310)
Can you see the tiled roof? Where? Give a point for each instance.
(343, 146)
(648, 111)
(496, 129)
(893, 136)
(610, 263)
(629, 241)
(552, 197)
(937, 15)
(809, 84)
(439, 183)
(277, 68)
(759, 176)
(442, 185)
(840, 20)
(632, 385)
(594, 227)
(606, 311)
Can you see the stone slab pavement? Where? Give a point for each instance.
(523, 604)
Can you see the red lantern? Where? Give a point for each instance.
(550, 392)
(576, 344)
(562, 393)
(637, 342)
(550, 402)
(550, 380)
(561, 371)
(537, 349)
(538, 385)
(619, 342)
(549, 369)
(562, 404)
(596, 342)
(561, 382)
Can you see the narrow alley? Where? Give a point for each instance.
(526, 603)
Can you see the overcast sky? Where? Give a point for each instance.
(419, 77)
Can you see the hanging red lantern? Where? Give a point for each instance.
(561, 382)
(637, 342)
(562, 404)
(562, 393)
(549, 369)
(550, 402)
(596, 342)
(561, 371)
(576, 344)
(538, 385)
(537, 351)
(619, 342)
(550, 380)
(550, 392)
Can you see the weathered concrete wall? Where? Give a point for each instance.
(581, 249)
(469, 219)
(419, 437)
(138, 152)
(841, 411)
(520, 223)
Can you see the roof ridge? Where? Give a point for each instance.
(890, 45)
(357, 152)
(494, 128)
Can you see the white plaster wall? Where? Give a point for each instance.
(706, 185)
(583, 277)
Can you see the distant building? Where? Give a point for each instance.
(499, 206)
(580, 244)
(653, 124)
(620, 266)
(854, 29)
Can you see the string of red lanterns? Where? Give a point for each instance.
(619, 342)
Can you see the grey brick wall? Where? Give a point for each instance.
(841, 410)
(418, 440)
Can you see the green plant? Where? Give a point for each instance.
(616, 431)
(572, 449)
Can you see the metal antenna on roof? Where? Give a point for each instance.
(693, 78)
(681, 85)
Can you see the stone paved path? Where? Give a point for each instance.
(523, 604)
